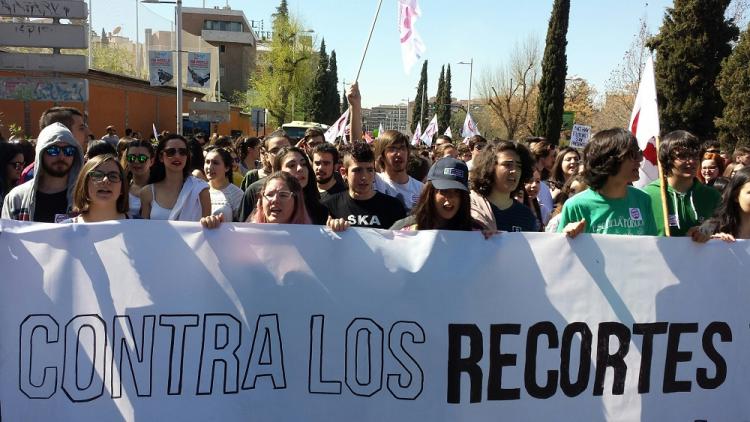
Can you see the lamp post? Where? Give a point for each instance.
(178, 30)
(471, 72)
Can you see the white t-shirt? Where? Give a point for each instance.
(226, 201)
(408, 193)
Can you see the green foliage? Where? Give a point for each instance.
(333, 102)
(554, 70)
(439, 105)
(344, 103)
(114, 59)
(416, 115)
(734, 86)
(693, 40)
(320, 86)
(444, 114)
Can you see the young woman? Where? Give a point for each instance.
(100, 193)
(574, 185)
(137, 161)
(500, 170)
(712, 167)
(732, 218)
(529, 198)
(280, 201)
(172, 193)
(225, 197)
(293, 160)
(249, 149)
(11, 166)
(566, 165)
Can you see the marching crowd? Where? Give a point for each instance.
(490, 186)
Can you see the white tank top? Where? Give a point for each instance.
(157, 211)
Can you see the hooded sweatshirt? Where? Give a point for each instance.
(20, 202)
(685, 210)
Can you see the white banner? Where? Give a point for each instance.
(145, 319)
(160, 69)
(199, 70)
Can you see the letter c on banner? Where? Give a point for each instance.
(48, 385)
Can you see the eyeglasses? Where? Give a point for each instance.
(18, 165)
(54, 150)
(282, 195)
(141, 158)
(171, 152)
(97, 176)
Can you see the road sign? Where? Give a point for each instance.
(44, 62)
(209, 112)
(44, 89)
(44, 35)
(66, 9)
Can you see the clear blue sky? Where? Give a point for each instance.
(600, 32)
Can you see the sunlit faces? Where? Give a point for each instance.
(295, 164)
(57, 159)
(175, 154)
(80, 130)
(685, 163)
(628, 172)
(447, 203)
(323, 167)
(360, 176)
(396, 157)
(214, 167)
(709, 170)
(743, 198)
(139, 160)
(14, 168)
(273, 146)
(570, 163)
(507, 171)
(532, 186)
(278, 202)
(104, 183)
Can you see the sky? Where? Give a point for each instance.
(599, 34)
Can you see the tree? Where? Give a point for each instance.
(510, 90)
(439, 97)
(419, 100)
(579, 98)
(333, 103)
(320, 86)
(734, 87)
(692, 42)
(444, 114)
(344, 102)
(554, 70)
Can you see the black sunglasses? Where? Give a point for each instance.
(141, 158)
(54, 150)
(171, 152)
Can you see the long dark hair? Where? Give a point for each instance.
(483, 174)
(558, 176)
(226, 158)
(426, 215)
(158, 171)
(7, 153)
(728, 215)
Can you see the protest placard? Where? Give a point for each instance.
(580, 136)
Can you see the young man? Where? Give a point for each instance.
(689, 202)
(476, 145)
(544, 158)
(361, 205)
(392, 155)
(325, 163)
(610, 205)
(254, 179)
(313, 137)
(48, 197)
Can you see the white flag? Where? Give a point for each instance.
(644, 124)
(417, 134)
(337, 129)
(380, 130)
(412, 47)
(430, 131)
(448, 132)
(470, 127)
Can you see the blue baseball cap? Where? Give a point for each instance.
(449, 173)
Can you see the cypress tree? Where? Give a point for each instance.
(344, 102)
(444, 115)
(692, 42)
(554, 70)
(333, 102)
(320, 87)
(416, 115)
(734, 87)
(439, 96)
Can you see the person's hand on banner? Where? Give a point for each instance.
(724, 236)
(337, 224)
(212, 221)
(574, 229)
(698, 235)
(487, 233)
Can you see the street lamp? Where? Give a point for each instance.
(471, 72)
(178, 29)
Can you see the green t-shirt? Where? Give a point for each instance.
(631, 215)
(686, 210)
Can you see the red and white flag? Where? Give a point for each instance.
(644, 124)
(412, 47)
(430, 131)
(417, 134)
(470, 127)
(448, 132)
(337, 129)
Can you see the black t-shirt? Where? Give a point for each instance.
(49, 205)
(517, 218)
(250, 199)
(337, 187)
(379, 212)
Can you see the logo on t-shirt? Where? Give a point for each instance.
(635, 214)
(672, 220)
(516, 229)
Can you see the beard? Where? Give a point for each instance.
(56, 170)
(323, 181)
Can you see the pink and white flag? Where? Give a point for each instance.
(470, 127)
(417, 134)
(448, 132)
(338, 128)
(412, 47)
(430, 131)
(644, 124)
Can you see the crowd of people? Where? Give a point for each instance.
(66, 176)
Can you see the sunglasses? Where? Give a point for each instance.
(18, 165)
(171, 152)
(54, 150)
(97, 176)
(141, 158)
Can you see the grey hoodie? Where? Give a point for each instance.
(20, 202)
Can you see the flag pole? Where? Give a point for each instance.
(367, 44)
(663, 190)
